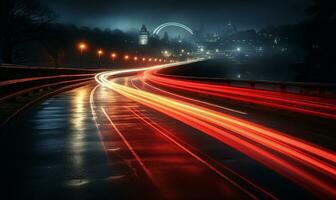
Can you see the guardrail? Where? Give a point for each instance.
(310, 89)
(5, 65)
(13, 88)
(22, 86)
(18, 80)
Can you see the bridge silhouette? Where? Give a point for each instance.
(176, 24)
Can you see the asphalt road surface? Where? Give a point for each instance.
(121, 140)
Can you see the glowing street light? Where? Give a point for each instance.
(238, 49)
(155, 59)
(99, 53)
(166, 53)
(135, 58)
(126, 57)
(160, 60)
(143, 59)
(150, 59)
(82, 47)
(113, 55)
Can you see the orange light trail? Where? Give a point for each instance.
(308, 165)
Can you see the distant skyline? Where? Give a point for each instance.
(127, 14)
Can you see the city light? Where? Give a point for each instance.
(166, 53)
(135, 58)
(82, 46)
(100, 52)
(150, 59)
(143, 59)
(126, 57)
(113, 55)
(238, 49)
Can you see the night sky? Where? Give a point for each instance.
(127, 15)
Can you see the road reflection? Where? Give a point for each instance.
(77, 143)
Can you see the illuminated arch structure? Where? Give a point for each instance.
(164, 25)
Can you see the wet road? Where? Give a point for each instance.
(94, 142)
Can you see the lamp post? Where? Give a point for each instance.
(82, 47)
(126, 57)
(113, 56)
(100, 53)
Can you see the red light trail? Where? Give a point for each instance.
(306, 164)
(293, 102)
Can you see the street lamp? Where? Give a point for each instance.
(113, 56)
(126, 57)
(100, 53)
(144, 59)
(135, 58)
(82, 47)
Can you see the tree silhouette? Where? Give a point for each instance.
(320, 40)
(21, 21)
(322, 9)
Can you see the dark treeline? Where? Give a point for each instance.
(30, 36)
(21, 21)
(59, 43)
(315, 37)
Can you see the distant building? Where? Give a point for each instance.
(165, 37)
(230, 29)
(200, 33)
(212, 37)
(143, 35)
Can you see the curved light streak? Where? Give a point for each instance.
(308, 165)
(162, 26)
(292, 102)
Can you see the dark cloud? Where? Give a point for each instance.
(126, 14)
